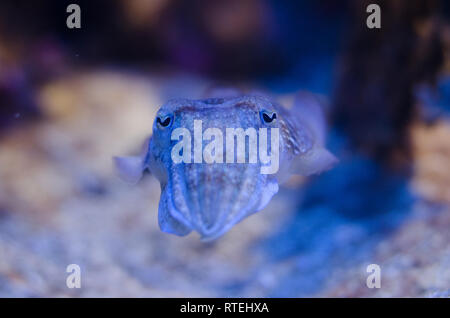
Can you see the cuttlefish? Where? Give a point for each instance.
(209, 186)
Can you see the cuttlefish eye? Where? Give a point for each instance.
(268, 117)
(164, 121)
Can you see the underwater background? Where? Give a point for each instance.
(71, 99)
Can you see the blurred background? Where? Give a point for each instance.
(70, 99)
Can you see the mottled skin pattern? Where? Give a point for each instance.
(211, 198)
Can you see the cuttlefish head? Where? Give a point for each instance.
(208, 193)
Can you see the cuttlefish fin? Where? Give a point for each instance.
(316, 160)
(216, 91)
(131, 168)
(309, 109)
